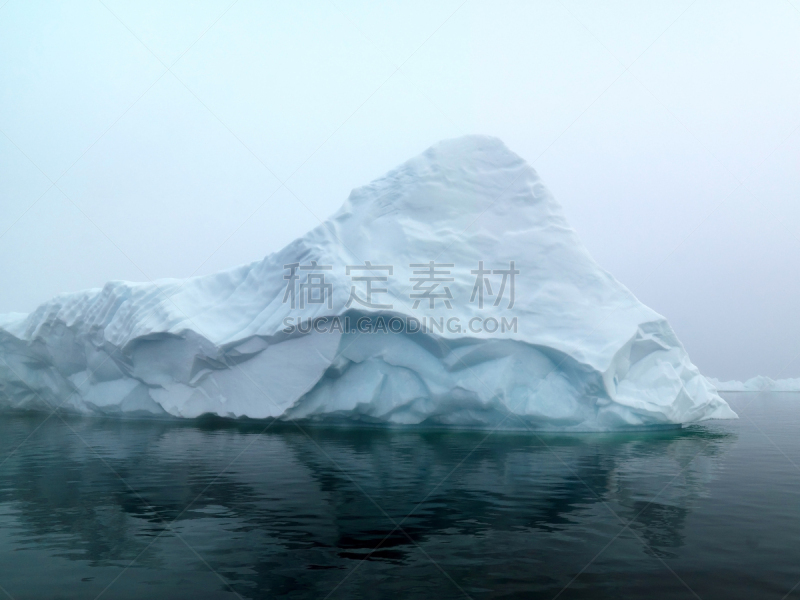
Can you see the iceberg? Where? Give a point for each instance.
(760, 383)
(450, 292)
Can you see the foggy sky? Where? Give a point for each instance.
(185, 138)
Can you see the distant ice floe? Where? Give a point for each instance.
(505, 321)
(757, 384)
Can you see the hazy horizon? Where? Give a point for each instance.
(668, 133)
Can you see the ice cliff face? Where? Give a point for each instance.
(513, 325)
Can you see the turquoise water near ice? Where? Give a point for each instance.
(210, 509)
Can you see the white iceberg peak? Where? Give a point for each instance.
(505, 320)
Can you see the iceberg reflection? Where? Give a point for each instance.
(291, 510)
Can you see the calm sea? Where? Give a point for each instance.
(136, 509)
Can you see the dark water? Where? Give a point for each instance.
(171, 510)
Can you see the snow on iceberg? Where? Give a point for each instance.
(759, 383)
(450, 292)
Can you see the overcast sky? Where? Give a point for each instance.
(150, 139)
